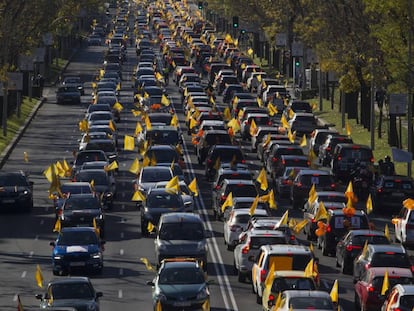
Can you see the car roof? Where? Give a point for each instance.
(282, 248)
(312, 172)
(306, 293)
(180, 217)
(367, 232)
(339, 212)
(290, 273)
(70, 279)
(380, 271)
(246, 211)
(264, 232)
(238, 181)
(77, 229)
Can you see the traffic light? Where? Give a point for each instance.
(297, 63)
(200, 5)
(243, 31)
(235, 22)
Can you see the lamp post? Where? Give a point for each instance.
(409, 86)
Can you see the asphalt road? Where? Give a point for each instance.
(24, 238)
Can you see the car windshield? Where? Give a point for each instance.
(13, 180)
(390, 259)
(181, 231)
(285, 283)
(393, 280)
(354, 222)
(72, 291)
(155, 175)
(75, 189)
(163, 200)
(359, 240)
(242, 190)
(89, 157)
(68, 238)
(81, 203)
(257, 241)
(318, 303)
(163, 137)
(181, 276)
(214, 139)
(104, 146)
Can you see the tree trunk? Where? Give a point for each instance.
(393, 139)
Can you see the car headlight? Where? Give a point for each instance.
(202, 247)
(203, 294)
(161, 297)
(99, 217)
(108, 195)
(97, 255)
(162, 247)
(92, 307)
(57, 257)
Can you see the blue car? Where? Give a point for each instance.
(77, 248)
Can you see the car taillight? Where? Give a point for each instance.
(269, 123)
(298, 184)
(246, 249)
(339, 158)
(371, 289)
(263, 275)
(271, 298)
(328, 229)
(283, 162)
(328, 149)
(245, 122)
(367, 266)
(285, 181)
(209, 161)
(274, 159)
(349, 248)
(60, 212)
(243, 161)
(412, 269)
(308, 163)
(292, 237)
(333, 186)
(379, 190)
(313, 220)
(371, 160)
(217, 187)
(223, 197)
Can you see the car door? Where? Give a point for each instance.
(257, 268)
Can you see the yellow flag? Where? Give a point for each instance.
(250, 52)
(369, 204)
(158, 306)
(234, 124)
(217, 164)
(48, 174)
(270, 276)
(272, 201)
(291, 113)
(97, 230)
(311, 157)
(226, 114)
(146, 161)
(311, 247)
(334, 292)
(299, 226)
(138, 196)
(322, 213)
(135, 112)
(253, 128)
(206, 305)
(92, 183)
(193, 186)
(228, 202)
(59, 169)
(148, 123)
(312, 194)
(129, 143)
(285, 218)
(67, 168)
(262, 180)
(112, 126)
(25, 157)
(272, 109)
(138, 129)
(159, 76)
(309, 269)
(164, 100)
(173, 184)
(259, 78)
(365, 248)
(284, 122)
(58, 225)
(253, 207)
(39, 277)
(303, 142)
(290, 136)
(135, 167)
(147, 264)
(348, 128)
(174, 120)
(260, 103)
(278, 301)
(387, 232)
(385, 283)
(193, 123)
(153, 160)
(150, 227)
(111, 167)
(118, 107)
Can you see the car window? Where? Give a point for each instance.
(181, 276)
(72, 291)
(257, 241)
(390, 259)
(163, 200)
(77, 238)
(281, 284)
(358, 153)
(155, 175)
(393, 280)
(98, 178)
(12, 180)
(407, 301)
(82, 203)
(242, 190)
(290, 261)
(354, 222)
(359, 240)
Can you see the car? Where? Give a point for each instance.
(243, 203)
(70, 80)
(158, 201)
(164, 154)
(181, 235)
(404, 224)
(107, 145)
(338, 223)
(330, 199)
(104, 186)
(303, 123)
(237, 223)
(67, 189)
(389, 192)
(298, 106)
(249, 245)
(235, 187)
(229, 171)
(400, 297)
(219, 154)
(344, 156)
(273, 156)
(286, 280)
(270, 223)
(149, 176)
(209, 138)
(369, 286)
(82, 210)
(17, 192)
(262, 132)
(160, 118)
(381, 255)
(68, 93)
(288, 160)
(160, 135)
(259, 119)
(306, 300)
(77, 248)
(187, 195)
(351, 245)
(327, 147)
(87, 137)
(65, 293)
(318, 137)
(304, 181)
(288, 257)
(184, 278)
(87, 156)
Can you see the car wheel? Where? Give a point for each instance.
(241, 277)
(346, 269)
(144, 231)
(258, 299)
(324, 249)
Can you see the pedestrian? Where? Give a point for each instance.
(389, 168)
(40, 83)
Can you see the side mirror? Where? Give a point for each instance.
(151, 283)
(52, 244)
(99, 294)
(39, 296)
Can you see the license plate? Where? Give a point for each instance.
(77, 264)
(182, 304)
(397, 194)
(8, 201)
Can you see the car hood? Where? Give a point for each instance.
(181, 290)
(9, 189)
(181, 245)
(78, 304)
(68, 249)
(84, 212)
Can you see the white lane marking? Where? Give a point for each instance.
(215, 254)
(31, 254)
(24, 274)
(123, 220)
(121, 252)
(120, 294)
(123, 206)
(122, 235)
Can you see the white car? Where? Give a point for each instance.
(400, 297)
(315, 300)
(404, 225)
(237, 223)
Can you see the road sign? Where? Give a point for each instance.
(26, 62)
(15, 81)
(281, 39)
(48, 38)
(398, 104)
(297, 49)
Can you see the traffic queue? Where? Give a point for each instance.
(226, 101)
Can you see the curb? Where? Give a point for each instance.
(9, 149)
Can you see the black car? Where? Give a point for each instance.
(159, 201)
(389, 192)
(68, 93)
(77, 248)
(82, 210)
(352, 244)
(16, 192)
(70, 80)
(208, 139)
(71, 293)
(219, 154)
(88, 156)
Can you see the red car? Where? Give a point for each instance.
(368, 287)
